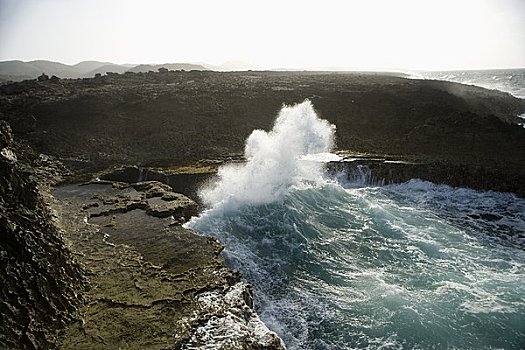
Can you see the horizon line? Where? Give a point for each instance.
(256, 67)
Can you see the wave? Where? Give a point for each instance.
(337, 268)
(276, 160)
(339, 265)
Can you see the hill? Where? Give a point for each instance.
(85, 67)
(110, 67)
(19, 70)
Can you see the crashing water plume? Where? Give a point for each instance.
(347, 264)
(276, 160)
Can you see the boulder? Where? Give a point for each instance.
(43, 77)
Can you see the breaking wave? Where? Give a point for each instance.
(276, 160)
(352, 266)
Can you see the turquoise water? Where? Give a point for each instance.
(349, 266)
(410, 266)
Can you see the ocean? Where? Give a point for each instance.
(348, 265)
(506, 80)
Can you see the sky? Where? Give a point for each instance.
(351, 34)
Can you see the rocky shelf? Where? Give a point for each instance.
(153, 283)
(381, 171)
(179, 118)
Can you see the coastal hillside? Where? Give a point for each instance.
(144, 68)
(94, 266)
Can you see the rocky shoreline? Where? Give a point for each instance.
(154, 284)
(180, 118)
(95, 254)
(42, 285)
(382, 171)
(107, 265)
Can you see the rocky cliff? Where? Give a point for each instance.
(173, 119)
(41, 285)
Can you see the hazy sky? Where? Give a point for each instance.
(365, 34)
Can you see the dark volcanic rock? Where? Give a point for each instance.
(6, 136)
(185, 180)
(43, 77)
(156, 198)
(476, 176)
(40, 283)
(174, 118)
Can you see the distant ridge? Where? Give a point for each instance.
(87, 66)
(18, 70)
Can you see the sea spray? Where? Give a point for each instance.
(408, 266)
(276, 160)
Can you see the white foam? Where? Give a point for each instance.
(522, 116)
(275, 160)
(233, 324)
(403, 257)
(322, 157)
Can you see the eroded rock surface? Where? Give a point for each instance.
(380, 171)
(107, 265)
(151, 280)
(178, 118)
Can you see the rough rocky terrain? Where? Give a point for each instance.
(42, 286)
(176, 118)
(154, 284)
(107, 265)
